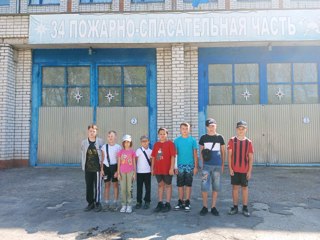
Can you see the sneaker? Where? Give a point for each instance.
(233, 211)
(98, 207)
(187, 206)
(179, 206)
(204, 211)
(138, 205)
(89, 207)
(123, 209)
(114, 207)
(159, 207)
(129, 209)
(245, 212)
(166, 207)
(106, 208)
(214, 211)
(146, 205)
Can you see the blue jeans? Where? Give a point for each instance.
(211, 173)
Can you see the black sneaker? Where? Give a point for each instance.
(166, 207)
(98, 207)
(179, 206)
(89, 207)
(159, 207)
(204, 211)
(245, 212)
(214, 211)
(146, 205)
(187, 206)
(138, 205)
(233, 211)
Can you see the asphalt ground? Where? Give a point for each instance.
(48, 203)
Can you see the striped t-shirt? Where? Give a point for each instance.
(240, 154)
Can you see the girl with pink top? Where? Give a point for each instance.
(126, 172)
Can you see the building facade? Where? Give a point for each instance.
(136, 65)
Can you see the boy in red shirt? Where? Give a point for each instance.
(162, 166)
(240, 158)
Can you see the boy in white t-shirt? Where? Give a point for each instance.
(109, 168)
(143, 173)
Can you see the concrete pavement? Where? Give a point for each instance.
(48, 203)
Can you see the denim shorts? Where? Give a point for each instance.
(184, 179)
(211, 174)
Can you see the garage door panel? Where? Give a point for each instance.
(61, 131)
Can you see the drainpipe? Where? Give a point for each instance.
(18, 4)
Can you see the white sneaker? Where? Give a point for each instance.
(129, 209)
(123, 209)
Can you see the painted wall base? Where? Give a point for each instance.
(14, 163)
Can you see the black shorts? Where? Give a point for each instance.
(166, 178)
(109, 173)
(239, 179)
(184, 179)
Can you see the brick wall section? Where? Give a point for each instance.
(191, 88)
(164, 89)
(14, 27)
(22, 105)
(7, 102)
(178, 88)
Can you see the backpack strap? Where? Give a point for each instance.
(145, 154)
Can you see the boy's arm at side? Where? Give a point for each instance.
(171, 171)
(152, 165)
(101, 163)
(229, 162)
(196, 161)
(250, 165)
(201, 159)
(118, 169)
(134, 168)
(223, 156)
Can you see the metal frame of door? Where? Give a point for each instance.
(262, 56)
(98, 57)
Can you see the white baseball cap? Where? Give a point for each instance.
(126, 138)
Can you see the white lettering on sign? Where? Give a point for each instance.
(182, 27)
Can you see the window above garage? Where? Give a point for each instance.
(95, 1)
(4, 2)
(44, 2)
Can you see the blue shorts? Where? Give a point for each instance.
(211, 174)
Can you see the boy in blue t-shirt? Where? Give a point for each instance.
(186, 165)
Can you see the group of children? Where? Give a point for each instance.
(112, 163)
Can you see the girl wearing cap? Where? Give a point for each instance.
(126, 172)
